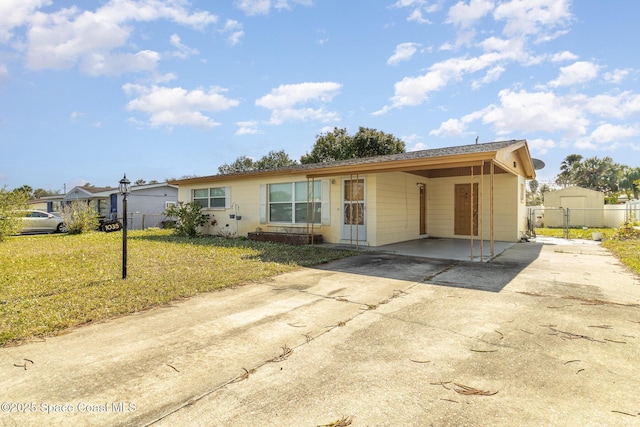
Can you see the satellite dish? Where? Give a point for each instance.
(537, 164)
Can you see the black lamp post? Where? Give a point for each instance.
(125, 189)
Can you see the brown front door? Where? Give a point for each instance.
(463, 213)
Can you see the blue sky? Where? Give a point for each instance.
(161, 89)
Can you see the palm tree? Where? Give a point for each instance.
(567, 170)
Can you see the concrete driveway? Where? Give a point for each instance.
(548, 333)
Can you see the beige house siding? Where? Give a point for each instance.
(245, 201)
(507, 227)
(392, 207)
(397, 214)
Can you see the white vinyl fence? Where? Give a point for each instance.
(609, 216)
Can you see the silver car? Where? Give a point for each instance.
(39, 221)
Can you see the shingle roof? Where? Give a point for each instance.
(422, 154)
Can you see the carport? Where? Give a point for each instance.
(474, 207)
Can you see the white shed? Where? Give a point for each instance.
(585, 207)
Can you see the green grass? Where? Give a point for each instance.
(627, 250)
(49, 283)
(576, 233)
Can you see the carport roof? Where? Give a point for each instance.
(457, 159)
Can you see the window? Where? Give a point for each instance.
(212, 197)
(288, 202)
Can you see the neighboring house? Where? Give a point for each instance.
(377, 200)
(46, 204)
(145, 204)
(586, 207)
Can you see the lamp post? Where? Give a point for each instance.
(125, 189)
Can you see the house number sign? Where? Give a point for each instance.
(109, 226)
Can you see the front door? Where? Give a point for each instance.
(462, 210)
(354, 207)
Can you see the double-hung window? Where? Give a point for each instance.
(212, 197)
(295, 202)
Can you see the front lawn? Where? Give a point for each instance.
(52, 282)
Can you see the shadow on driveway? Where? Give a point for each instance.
(491, 276)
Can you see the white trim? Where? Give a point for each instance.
(263, 203)
(227, 197)
(325, 208)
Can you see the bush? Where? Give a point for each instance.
(627, 231)
(79, 217)
(12, 207)
(188, 219)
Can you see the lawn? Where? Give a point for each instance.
(626, 248)
(49, 283)
(576, 233)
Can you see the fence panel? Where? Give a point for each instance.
(609, 216)
(144, 220)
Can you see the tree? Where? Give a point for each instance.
(40, 192)
(567, 169)
(629, 182)
(543, 190)
(27, 190)
(241, 164)
(370, 142)
(273, 160)
(594, 173)
(329, 147)
(339, 145)
(140, 182)
(533, 198)
(12, 207)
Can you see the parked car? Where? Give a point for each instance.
(39, 221)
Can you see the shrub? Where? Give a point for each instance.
(188, 219)
(79, 217)
(627, 231)
(12, 206)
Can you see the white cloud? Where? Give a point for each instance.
(233, 30)
(563, 56)
(263, 7)
(16, 13)
(249, 127)
(541, 146)
(68, 37)
(4, 74)
(614, 133)
(418, 9)
(176, 106)
(97, 64)
(465, 15)
(451, 127)
(617, 76)
(412, 91)
(525, 17)
(75, 115)
(492, 75)
(183, 51)
(576, 73)
(286, 102)
(535, 111)
(619, 106)
(403, 52)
